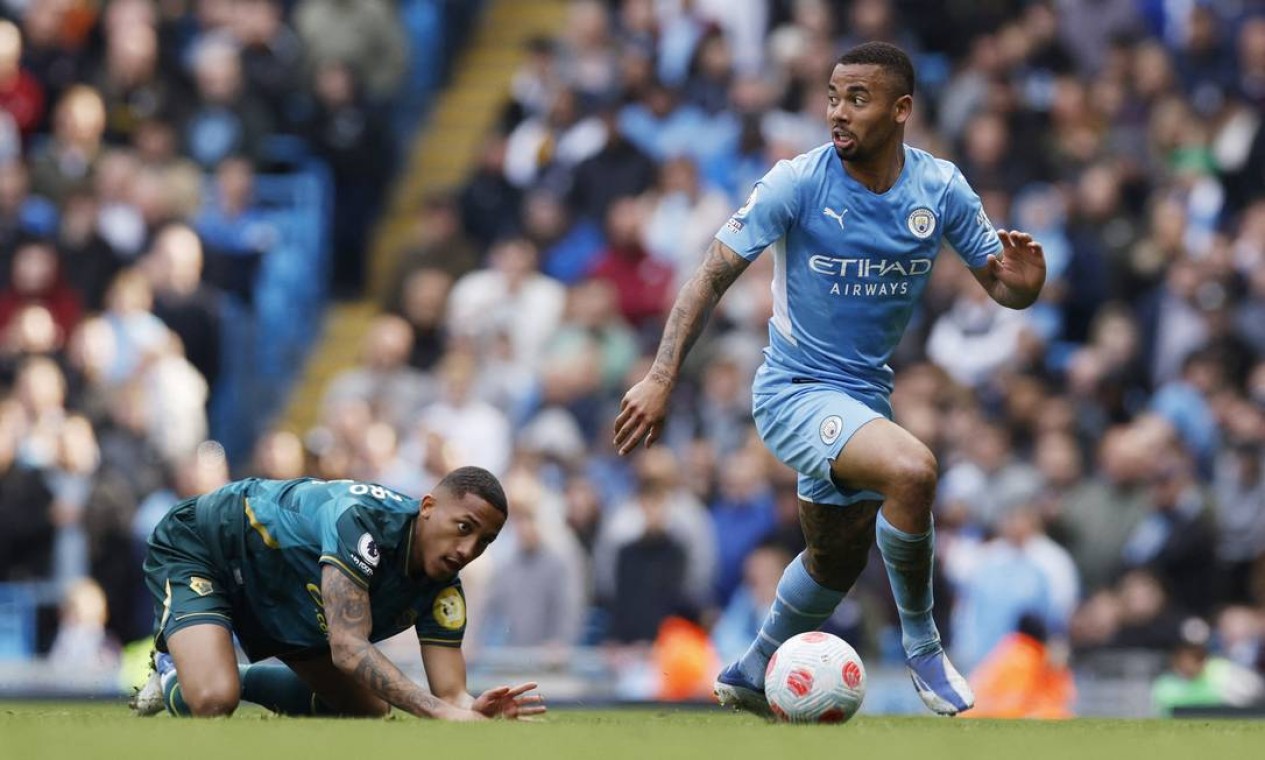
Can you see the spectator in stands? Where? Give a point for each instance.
(137, 332)
(125, 442)
(70, 157)
(592, 321)
(489, 201)
(545, 605)
(352, 138)
(1022, 572)
(89, 356)
(666, 515)
(133, 84)
(437, 242)
(32, 332)
(83, 646)
(395, 391)
(762, 567)
(546, 149)
(989, 481)
(271, 57)
(363, 34)
(1239, 495)
(568, 246)
(1196, 678)
(26, 543)
(1096, 518)
(743, 514)
(650, 574)
(227, 119)
(188, 307)
(36, 280)
(49, 53)
(423, 303)
(40, 390)
(976, 338)
(89, 263)
(643, 284)
(618, 169)
(1175, 540)
(21, 94)
(93, 508)
(588, 59)
(22, 215)
(535, 81)
(1024, 677)
(490, 301)
(279, 456)
(236, 231)
(476, 431)
(683, 217)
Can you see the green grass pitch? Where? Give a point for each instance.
(58, 731)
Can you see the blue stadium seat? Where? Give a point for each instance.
(17, 621)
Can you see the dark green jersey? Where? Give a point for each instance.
(277, 535)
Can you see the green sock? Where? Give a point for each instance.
(174, 699)
(277, 688)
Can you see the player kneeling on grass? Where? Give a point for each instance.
(313, 572)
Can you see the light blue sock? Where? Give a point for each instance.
(909, 558)
(802, 604)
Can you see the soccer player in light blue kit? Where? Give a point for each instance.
(854, 227)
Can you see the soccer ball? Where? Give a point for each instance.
(815, 678)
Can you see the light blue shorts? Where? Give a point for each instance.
(807, 424)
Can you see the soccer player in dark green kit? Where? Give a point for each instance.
(313, 572)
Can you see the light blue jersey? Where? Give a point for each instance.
(849, 266)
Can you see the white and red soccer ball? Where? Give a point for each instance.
(815, 677)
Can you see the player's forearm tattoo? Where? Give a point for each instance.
(350, 622)
(693, 307)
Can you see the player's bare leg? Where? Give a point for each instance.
(340, 694)
(882, 456)
(839, 540)
(206, 664)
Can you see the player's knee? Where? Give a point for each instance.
(914, 472)
(211, 700)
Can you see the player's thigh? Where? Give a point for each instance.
(806, 426)
(882, 456)
(838, 538)
(339, 691)
(206, 666)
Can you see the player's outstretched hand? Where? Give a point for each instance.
(641, 414)
(1021, 267)
(510, 702)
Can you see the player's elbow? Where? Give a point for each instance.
(346, 652)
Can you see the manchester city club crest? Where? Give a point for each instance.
(831, 427)
(922, 223)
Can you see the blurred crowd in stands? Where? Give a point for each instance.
(131, 136)
(1101, 453)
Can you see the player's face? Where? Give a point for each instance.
(454, 531)
(864, 112)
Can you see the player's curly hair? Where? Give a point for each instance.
(887, 56)
(479, 482)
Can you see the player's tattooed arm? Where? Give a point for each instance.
(644, 408)
(693, 307)
(348, 615)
